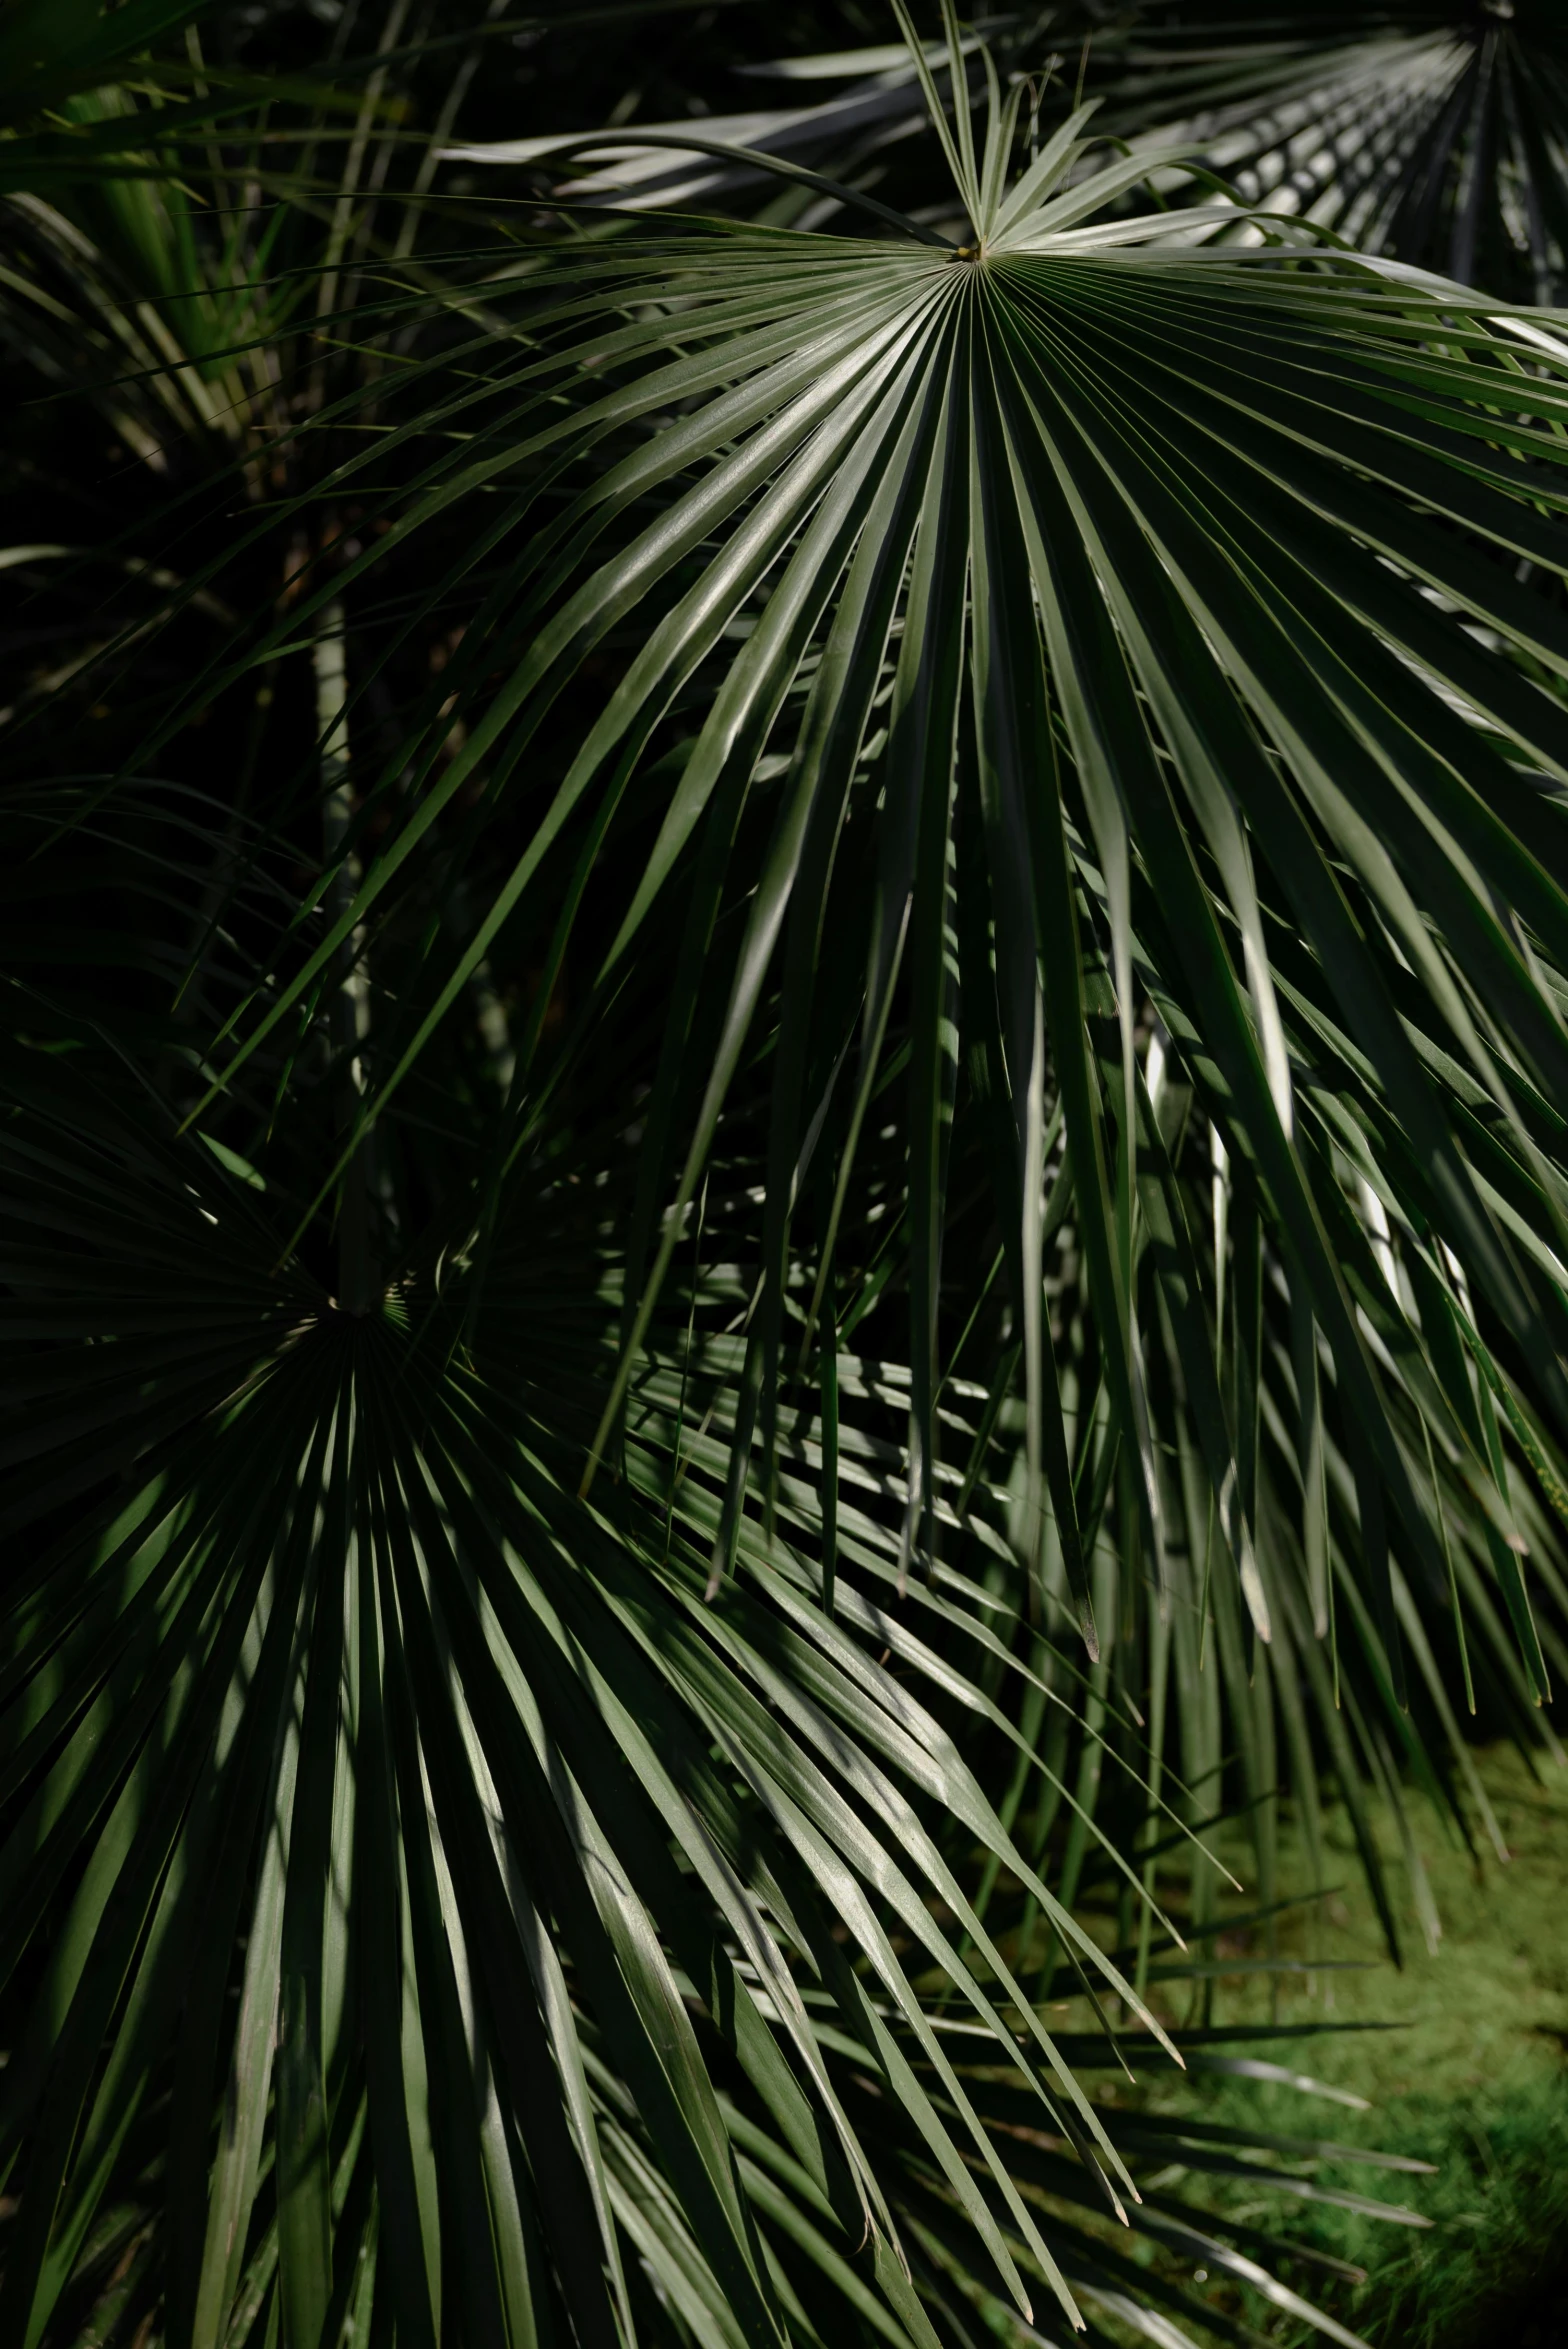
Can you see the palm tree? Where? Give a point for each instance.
(1432, 130)
(838, 1103)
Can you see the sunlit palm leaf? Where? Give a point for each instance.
(1189, 547)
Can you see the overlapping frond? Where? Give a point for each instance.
(879, 1068)
(1192, 637)
(415, 1889)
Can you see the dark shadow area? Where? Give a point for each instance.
(1534, 2315)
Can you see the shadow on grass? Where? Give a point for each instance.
(1532, 2316)
(1491, 2271)
(1471, 2080)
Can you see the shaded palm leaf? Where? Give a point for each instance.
(418, 1897)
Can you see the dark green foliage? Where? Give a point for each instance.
(782, 1169)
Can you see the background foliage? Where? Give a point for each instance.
(782, 1137)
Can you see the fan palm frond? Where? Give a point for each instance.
(1158, 576)
(419, 1895)
(1432, 130)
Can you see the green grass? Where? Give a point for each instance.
(1473, 2080)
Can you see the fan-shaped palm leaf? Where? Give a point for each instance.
(1166, 561)
(419, 1900)
(1434, 132)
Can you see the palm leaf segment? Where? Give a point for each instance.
(1101, 637)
